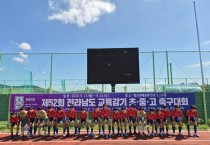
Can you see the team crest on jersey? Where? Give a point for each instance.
(19, 102)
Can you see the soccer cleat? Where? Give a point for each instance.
(121, 134)
(21, 135)
(64, 134)
(148, 134)
(56, 135)
(196, 135)
(125, 134)
(153, 134)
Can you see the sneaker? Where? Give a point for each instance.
(64, 134)
(121, 134)
(29, 135)
(153, 134)
(56, 135)
(125, 135)
(113, 134)
(21, 135)
(148, 134)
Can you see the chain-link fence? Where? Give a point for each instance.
(67, 72)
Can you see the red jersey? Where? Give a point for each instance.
(123, 115)
(96, 114)
(176, 113)
(83, 115)
(31, 114)
(115, 116)
(14, 119)
(159, 116)
(189, 113)
(62, 114)
(71, 114)
(132, 113)
(151, 116)
(51, 114)
(166, 113)
(105, 113)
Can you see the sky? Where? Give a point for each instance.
(36, 26)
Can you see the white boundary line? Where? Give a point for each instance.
(104, 141)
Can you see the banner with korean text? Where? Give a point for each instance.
(88, 101)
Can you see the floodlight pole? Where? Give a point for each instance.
(201, 65)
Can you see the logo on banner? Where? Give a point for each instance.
(19, 102)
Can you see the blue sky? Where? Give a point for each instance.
(147, 24)
(75, 25)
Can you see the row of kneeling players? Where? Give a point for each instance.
(132, 118)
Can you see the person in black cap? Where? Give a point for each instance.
(176, 117)
(116, 119)
(151, 116)
(192, 116)
(166, 118)
(71, 118)
(132, 118)
(83, 119)
(96, 118)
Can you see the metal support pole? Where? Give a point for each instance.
(171, 73)
(167, 67)
(153, 64)
(201, 65)
(51, 69)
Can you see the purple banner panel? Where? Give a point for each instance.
(88, 101)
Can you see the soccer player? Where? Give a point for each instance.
(23, 119)
(51, 113)
(42, 118)
(166, 119)
(192, 116)
(151, 120)
(32, 120)
(116, 119)
(141, 119)
(14, 120)
(132, 118)
(83, 119)
(176, 117)
(123, 121)
(72, 118)
(105, 112)
(60, 116)
(159, 122)
(96, 118)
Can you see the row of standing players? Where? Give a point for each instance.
(130, 117)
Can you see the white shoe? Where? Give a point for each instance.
(64, 134)
(56, 135)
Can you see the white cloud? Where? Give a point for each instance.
(25, 46)
(18, 59)
(80, 12)
(205, 64)
(206, 42)
(22, 55)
